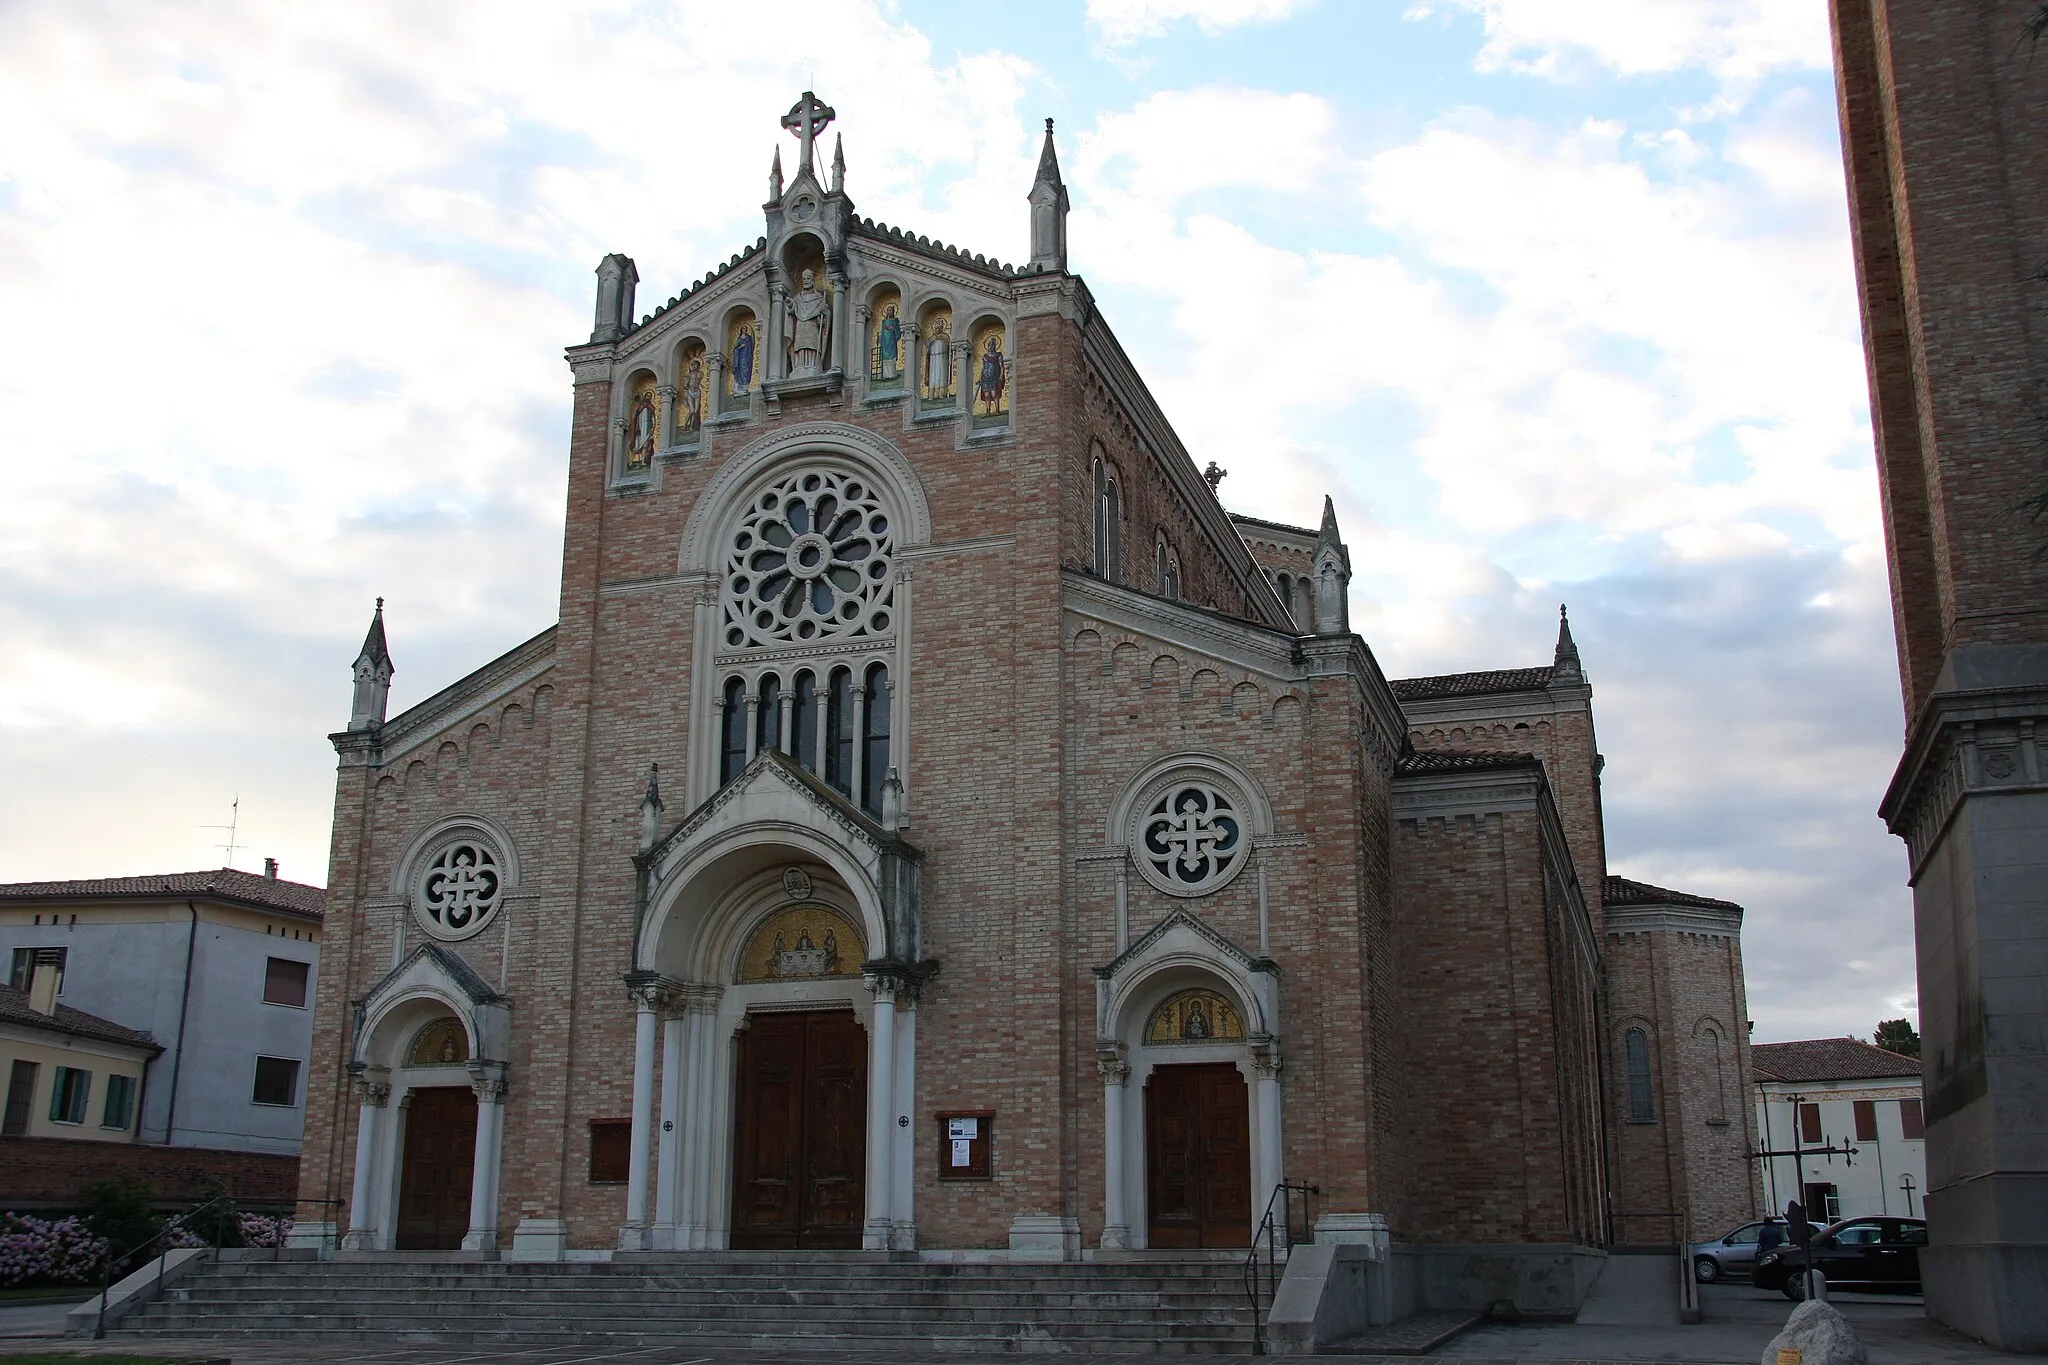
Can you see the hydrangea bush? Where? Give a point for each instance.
(35, 1251)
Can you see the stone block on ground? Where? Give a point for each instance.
(1821, 1335)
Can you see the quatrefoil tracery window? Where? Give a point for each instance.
(811, 560)
(1192, 838)
(459, 889)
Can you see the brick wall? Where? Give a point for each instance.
(49, 1172)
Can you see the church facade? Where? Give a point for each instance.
(936, 824)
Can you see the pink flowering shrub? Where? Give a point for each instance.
(36, 1251)
(259, 1231)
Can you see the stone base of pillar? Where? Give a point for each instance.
(903, 1235)
(358, 1239)
(878, 1235)
(1354, 1229)
(539, 1239)
(636, 1237)
(1116, 1237)
(481, 1239)
(1036, 1237)
(315, 1236)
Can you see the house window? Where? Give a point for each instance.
(1809, 1123)
(1641, 1105)
(277, 1081)
(23, 968)
(1866, 1120)
(119, 1110)
(284, 982)
(21, 1096)
(1911, 1122)
(69, 1094)
(611, 1151)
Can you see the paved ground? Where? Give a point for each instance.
(1740, 1321)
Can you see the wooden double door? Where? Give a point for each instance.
(435, 1170)
(800, 1132)
(1198, 1157)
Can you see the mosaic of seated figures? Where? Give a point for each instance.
(1194, 1016)
(441, 1043)
(803, 943)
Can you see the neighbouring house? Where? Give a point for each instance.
(214, 971)
(1842, 1093)
(69, 1074)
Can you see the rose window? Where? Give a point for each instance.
(1191, 839)
(811, 560)
(460, 890)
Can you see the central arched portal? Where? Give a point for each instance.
(800, 1132)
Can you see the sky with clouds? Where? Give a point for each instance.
(1554, 296)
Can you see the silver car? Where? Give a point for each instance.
(1734, 1254)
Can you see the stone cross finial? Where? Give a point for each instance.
(807, 118)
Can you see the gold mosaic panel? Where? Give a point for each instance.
(935, 376)
(988, 371)
(1195, 1016)
(803, 943)
(887, 332)
(441, 1043)
(693, 381)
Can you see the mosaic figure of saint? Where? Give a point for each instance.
(448, 1048)
(831, 950)
(692, 415)
(1195, 1023)
(889, 338)
(641, 448)
(936, 370)
(810, 327)
(743, 359)
(995, 374)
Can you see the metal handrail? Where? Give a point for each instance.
(1262, 1279)
(99, 1328)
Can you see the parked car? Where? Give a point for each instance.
(1736, 1253)
(1856, 1253)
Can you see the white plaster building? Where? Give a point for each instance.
(1841, 1092)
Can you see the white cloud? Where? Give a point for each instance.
(1119, 22)
(1736, 40)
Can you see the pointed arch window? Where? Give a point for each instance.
(1167, 567)
(1108, 522)
(732, 749)
(1641, 1103)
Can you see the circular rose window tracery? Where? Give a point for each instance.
(459, 890)
(1191, 839)
(811, 560)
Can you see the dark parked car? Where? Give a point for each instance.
(1736, 1253)
(1856, 1253)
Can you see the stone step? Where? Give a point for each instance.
(928, 1297)
(641, 1309)
(510, 1326)
(1227, 1343)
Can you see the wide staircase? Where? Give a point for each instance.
(729, 1300)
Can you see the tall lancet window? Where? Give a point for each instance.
(1108, 523)
(1641, 1104)
(808, 631)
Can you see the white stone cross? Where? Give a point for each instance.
(807, 118)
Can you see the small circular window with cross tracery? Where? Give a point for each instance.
(459, 889)
(1192, 839)
(811, 560)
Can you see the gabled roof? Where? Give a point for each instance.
(1459, 761)
(1622, 891)
(222, 884)
(1471, 684)
(1828, 1059)
(14, 1009)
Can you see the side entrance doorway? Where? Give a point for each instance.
(800, 1132)
(439, 1160)
(1198, 1157)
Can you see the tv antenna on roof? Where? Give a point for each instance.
(234, 821)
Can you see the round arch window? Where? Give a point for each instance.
(811, 559)
(457, 891)
(1192, 837)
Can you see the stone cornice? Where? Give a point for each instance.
(1486, 791)
(1243, 644)
(1674, 919)
(1980, 742)
(1556, 699)
(501, 677)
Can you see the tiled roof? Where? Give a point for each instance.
(1305, 532)
(1622, 891)
(221, 884)
(1827, 1059)
(1458, 761)
(14, 1009)
(1471, 684)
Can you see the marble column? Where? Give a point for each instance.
(647, 1002)
(881, 1115)
(362, 1217)
(488, 1081)
(668, 1140)
(1266, 1123)
(1115, 1073)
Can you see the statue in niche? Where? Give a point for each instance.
(743, 359)
(692, 415)
(810, 327)
(640, 447)
(938, 370)
(889, 345)
(995, 374)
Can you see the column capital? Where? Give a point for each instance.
(1266, 1059)
(652, 992)
(1110, 1063)
(900, 981)
(489, 1090)
(375, 1094)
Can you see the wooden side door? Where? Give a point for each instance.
(439, 1159)
(1198, 1157)
(835, 1131)
(768, 1127)
(800, 1133)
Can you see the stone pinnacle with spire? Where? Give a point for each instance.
(838, 164)
(1565, 665)
(1333, 576)
(775, 178)
(1048, 210)
(373, 670)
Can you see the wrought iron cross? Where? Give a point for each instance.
(807, 118)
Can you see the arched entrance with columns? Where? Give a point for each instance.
(776, 978)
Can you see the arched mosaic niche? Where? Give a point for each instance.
(803, 943)
(1194, 1016)
(443, 1042)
